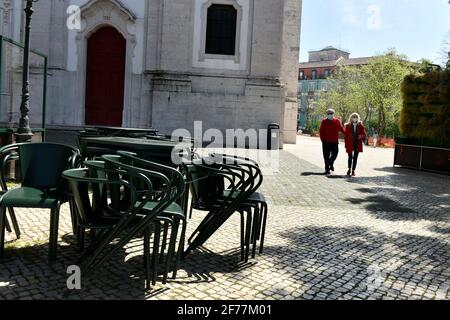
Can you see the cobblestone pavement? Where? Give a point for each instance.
(382, 235)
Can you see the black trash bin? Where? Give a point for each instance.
(273, 136)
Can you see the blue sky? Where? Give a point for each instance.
(416, 28)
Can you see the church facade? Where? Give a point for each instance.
(166, 63)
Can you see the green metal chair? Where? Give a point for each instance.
(256, 201)
(94, 212)
(135, 209)
(229, 184)
(8, 155)
(171, 218)
(41, 166)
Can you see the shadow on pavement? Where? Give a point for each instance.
(361, 262)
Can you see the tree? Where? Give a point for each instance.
(383, 78)
(372, 87)
(346, 93)
(444, 53)
(445, 50)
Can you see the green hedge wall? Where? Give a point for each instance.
(426, 106)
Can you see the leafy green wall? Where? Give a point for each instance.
(426, 106)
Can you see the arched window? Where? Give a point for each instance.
(221, 30)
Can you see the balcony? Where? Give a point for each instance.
(312, 86)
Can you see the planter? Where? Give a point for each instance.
(427, 158)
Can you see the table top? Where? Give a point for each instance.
(136, 142)
(121, 129)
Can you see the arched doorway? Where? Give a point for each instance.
(105, 78)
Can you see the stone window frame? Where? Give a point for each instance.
(203, 56)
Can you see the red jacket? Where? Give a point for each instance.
(329, 130)
(361, 135)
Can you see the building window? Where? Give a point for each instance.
(314, 74)
(301, 75)
(221, 30)
(327, 73)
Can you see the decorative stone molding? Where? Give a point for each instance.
(94, 15)
(6, 8)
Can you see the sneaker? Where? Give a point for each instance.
(332, 168)
(349, 172)
(353, 174)
(327, 172)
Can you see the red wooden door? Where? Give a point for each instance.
(105, 78)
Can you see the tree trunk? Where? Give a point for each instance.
(381, 122)
(366, 117)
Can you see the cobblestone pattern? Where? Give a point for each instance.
(377, 237)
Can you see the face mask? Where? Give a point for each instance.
(330, 117)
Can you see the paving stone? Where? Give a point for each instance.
(381, 235)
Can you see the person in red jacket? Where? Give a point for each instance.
(355, 134)
(329, 134)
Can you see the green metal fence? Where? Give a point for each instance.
(11, 60)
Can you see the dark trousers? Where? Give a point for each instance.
(330, 154)
(353, 159)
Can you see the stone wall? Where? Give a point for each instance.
(166, 87)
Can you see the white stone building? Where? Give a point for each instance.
(165, 63)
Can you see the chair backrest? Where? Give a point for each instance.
(42, 164)
(81, 181)
(7, 154)
(177, 184)
(206, 189)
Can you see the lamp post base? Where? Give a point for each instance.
(23, 137)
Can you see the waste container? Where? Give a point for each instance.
(273, 136)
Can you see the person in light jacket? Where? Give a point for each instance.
(355, 135)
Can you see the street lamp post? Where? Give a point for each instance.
(24, 133)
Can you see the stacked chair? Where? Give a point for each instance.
(223, 185)
(130, 197)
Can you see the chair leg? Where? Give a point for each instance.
(248, 234)
(180, 248)
(164, 241)
(255, 230)
(171, 250)
(73, 216)
(242, 234)
(157, 234)
(81, 234)
(54, 223)
(14, 222)
(263, 231)
(147, 233)
(2, 230)
(7, 226)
